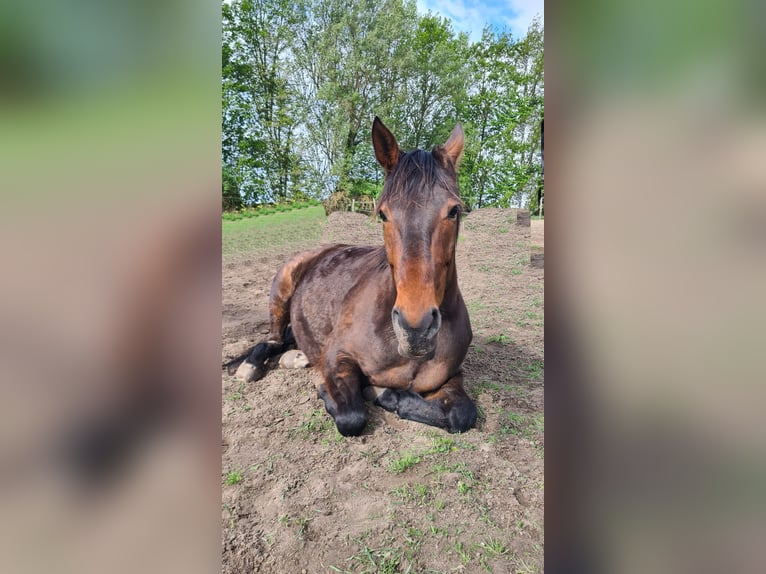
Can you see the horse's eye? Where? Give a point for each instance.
(382, 216)
(453, 213)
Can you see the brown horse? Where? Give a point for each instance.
(389, 321)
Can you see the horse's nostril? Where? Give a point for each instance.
(426, 326)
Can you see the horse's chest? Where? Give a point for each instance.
(399, 376)
(416, 376)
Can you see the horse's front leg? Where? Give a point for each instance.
(448, 407)
(341, 392)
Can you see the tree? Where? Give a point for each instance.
(303, 79)
(231, 197)
(261, 115)
(503, 109)
(352, 56)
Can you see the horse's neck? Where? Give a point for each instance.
(451, 291)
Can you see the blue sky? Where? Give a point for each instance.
(470, 16)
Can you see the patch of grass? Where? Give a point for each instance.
(414, 536)
(236, 395)
(464, 488)
(301, 522)
(460, 468)
(404, 493)
(526, 426)
(250, 212)
(502, 230)
(475, 306)
(516, 271)
(316, 424)
(494, 547)
(295, 227)
(441, 444)
(463, 553)
(534, 370)
(488, 385)
(501, 338)
(303, 525)
(403, 462)
(438, 531)
(416, 493)
(336, 437)
(378, 560)
(485, 268)
(520, 392)
(234, 477)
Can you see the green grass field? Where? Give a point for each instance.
(299, 226)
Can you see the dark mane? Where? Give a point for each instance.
(415, 176)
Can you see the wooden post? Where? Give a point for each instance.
(353, 205)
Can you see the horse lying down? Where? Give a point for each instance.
(388, 323)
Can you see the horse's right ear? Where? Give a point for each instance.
(384, 143)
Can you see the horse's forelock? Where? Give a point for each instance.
(415, 177)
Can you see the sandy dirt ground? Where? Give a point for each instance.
(403, 497)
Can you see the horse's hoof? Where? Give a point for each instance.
(462, 417)
(248, 372)
(294, 359)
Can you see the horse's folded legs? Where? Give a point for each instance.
(449, 407)
(254, 367)
(341, 392)
(349, 413)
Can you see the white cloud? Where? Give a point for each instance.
(470, 16)
(523, 12)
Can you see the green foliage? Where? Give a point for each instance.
(231, 198)
(234, 477)
(502, 161)
(501, 338)
(303, 80)
(403, 462)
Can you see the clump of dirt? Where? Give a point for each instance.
(299, 497)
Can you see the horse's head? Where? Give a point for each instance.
(420, 209)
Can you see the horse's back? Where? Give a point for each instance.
(325, 287)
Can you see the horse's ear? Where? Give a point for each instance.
(384, 143)
(453, 147)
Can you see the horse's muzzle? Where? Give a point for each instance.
(418, 340)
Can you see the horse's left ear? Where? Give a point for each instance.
(385, 146)
(453, 147)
